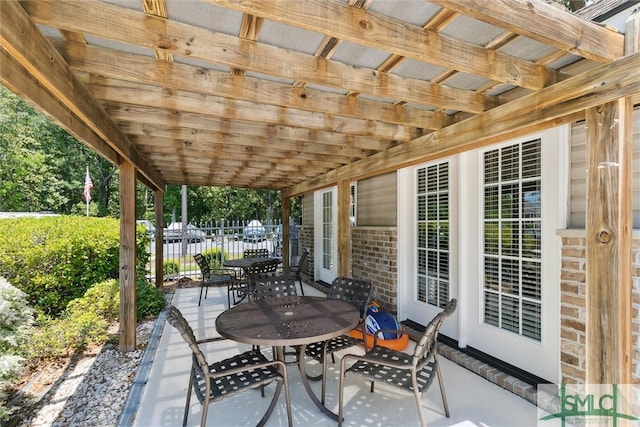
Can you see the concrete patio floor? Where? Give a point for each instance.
(473, 401)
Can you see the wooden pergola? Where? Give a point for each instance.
(301, 95)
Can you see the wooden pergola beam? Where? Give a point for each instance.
(545, 23)
(132, 27)
(366, 28)
(561, 103)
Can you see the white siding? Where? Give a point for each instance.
(377, 198)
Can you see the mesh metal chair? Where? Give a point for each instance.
(215, 277)
(409, 373)
(272, 285)
(356, 292)
(239, 290)
(256, 253)
(214, 382)
(297, 270)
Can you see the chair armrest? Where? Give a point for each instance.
(227, 372)
(396, 331)
(370, 359)
(207, 340)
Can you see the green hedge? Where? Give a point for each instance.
(56, 259)
(214, 257)
(86, 319)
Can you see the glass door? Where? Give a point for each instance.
(326, 240)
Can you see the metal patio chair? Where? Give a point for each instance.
(216, 381)
(409, 373)
(272, 285)
(357, 293)
(239, 290)
(302, 265)
(256, 253)
(215, 277)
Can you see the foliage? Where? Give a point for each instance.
(86, 319)
(214, 257)
(216, 203)
(170, 267)
(56, 259)
(16, 318)
(42, 168)
(149, 300)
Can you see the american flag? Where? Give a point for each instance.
(88, 186)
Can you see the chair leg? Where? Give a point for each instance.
(186, 407)
(205, 410)
(200, 299)
(417, 394)
(444, 396)
(301, 287)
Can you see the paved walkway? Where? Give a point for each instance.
(473, 401)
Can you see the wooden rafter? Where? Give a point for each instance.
(561, 103)
(376, 31)
(194, 42)
(545, 23)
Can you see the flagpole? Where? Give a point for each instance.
(86, 198)
(88, 186)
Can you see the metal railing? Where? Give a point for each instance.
(230, 237)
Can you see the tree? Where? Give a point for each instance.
(42, 168)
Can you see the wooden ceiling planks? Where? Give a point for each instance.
(203, 104)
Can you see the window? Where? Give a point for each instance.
(353, 204)
(327, 230)
(433, 234)
(512, 238)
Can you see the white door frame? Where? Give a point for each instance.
(322, 272)
(471, 329)
(408, 305)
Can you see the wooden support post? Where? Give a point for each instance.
(286, 208)
(127, 257)
(344, 228)
(159, 224)
(609, 225)
(608, 244)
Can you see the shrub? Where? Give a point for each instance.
(213, 257)
(170, 268)
(16, 318)
(86, 319)
(150, 301)
(56, 259)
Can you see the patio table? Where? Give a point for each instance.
(245, 263)
(289, 321)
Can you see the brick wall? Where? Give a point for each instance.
(305, 241)
(573, 308)
(374, 256)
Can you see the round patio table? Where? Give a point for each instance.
(289, 321)
(245, 263)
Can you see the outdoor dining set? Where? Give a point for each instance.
(266, 312)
